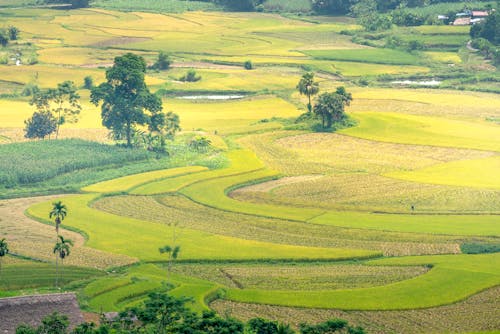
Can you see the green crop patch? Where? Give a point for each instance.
(372, 55)
(452, 278)
(127, 182)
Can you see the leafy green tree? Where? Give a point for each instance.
(173, 253)
(62, 249)
(126, 97)
(4, 37)
(248, 65)
(262, 326)
(58, 212)
(330, 326)
(54, 324)
(330, 106)
(163, 63)
(190, 76)
(200, 143)
(307, 86)
(4, 250)
(489, 29)
(40, 125)
(88, 82)
(13, 33)
(63, 102)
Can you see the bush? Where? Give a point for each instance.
(163, 62)
(30, 89)
(190, 76)
(248, 65)
(40, 125)
(88, 82)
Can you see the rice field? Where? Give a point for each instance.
(366, 223)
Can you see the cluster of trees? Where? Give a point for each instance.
(162, 314)
(74, 3)
(55, 107)
(9, 34)
(330, 106)
(486, 37)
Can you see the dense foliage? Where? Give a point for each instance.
(162, 314)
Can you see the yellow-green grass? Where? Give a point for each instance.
(444, 57)
(30, 274)
(442, 30)
(121, 291)
(48, 76)
(127, 182)
(425, 130)
(114, 233)
(452, 278)
(299, 276)
(241, 161)
(479, 173)
(213, 193)
(368, 55)
(224, 116)
(188, 214)
(241, 80)
(443, 98)
(467, 225)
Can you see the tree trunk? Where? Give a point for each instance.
(58, 124)
(129, 134)
(309, 106)
(57, 269)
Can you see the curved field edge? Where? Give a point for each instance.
(114, 234)
(127, 182)
(452, 278)
(424, 130)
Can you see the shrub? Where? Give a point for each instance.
(190, 76)
(88, 82)
(248, 65)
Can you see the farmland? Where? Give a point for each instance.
(375, 222)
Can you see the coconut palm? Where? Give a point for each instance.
(172, 252)
(59, 212)
(4, 250)
(307, 86)
(62, 250)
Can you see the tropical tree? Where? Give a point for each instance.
(62, 102)
(59, 212)
(125, 97)
(307, 86)
(200, 143)
(62, 250)
(330, 106)
(13, 33)
(4, 250)
(172, 252)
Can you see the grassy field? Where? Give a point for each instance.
(468, 275)
(28, 275)
(376, 56)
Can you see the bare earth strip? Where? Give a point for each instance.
(477, 313)
(30, 238)
(270, 185)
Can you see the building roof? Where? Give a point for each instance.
(463, 21)
(479, 13)
(31, 310)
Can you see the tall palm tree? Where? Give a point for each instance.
(307, 86)
(62, 250)
(172, 252)
(59, 211)
(4, 250)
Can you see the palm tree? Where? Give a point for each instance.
(307, 86)
(172, 252)
(61, 249)
(59, 211)
(4, 250)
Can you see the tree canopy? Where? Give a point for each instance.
(126, 100)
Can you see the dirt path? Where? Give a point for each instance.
(270, 185)
(36, 240)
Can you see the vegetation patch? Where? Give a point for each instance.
(376, 56)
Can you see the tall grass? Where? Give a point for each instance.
(171, 6)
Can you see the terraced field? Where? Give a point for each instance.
(366, 223)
